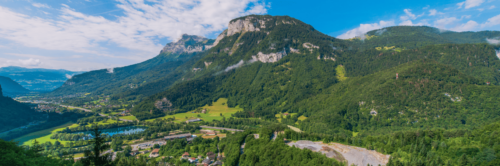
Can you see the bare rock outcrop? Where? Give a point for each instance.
(247, 24)
(187, 44)
(269, 58)
(163, 104)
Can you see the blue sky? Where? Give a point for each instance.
(90, 34)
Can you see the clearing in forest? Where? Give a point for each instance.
(212, 112)
(44, 135)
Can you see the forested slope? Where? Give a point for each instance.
(117, 80)
(14, 114)
(304, 63)
(12, 88)
(410, 37)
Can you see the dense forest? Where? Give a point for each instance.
(12, 88)
(14, 114)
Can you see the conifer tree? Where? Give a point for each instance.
(96, 157)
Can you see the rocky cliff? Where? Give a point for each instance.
(188, 44)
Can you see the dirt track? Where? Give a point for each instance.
(353, 155)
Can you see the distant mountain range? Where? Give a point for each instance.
(12, 88)
(37, 79)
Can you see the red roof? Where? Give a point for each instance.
(185, 154)
(155, 150)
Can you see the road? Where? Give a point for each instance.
(87, 110)
(220, 128)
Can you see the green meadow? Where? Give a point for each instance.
(213, 112)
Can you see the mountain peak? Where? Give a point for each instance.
(252, 23)
(188, 44)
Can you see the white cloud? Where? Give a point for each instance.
(481, 9)
(442, 23)
(470, 3)
(466, 17)
(470, 25)
(408, 15)
(138, 29)
(493, 41)
(237, 65)
(31, 62)
(110, 70)
(432, 12)
(460, 5)
(492, 7)
(410, 23)
(492, 21)
(363, 28)
(426, 7)
(40, 5)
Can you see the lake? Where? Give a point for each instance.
(120, 130)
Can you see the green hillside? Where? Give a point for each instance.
(427, 94)
(121, 79)
(14, 114)
(409, 37)
(12, 88)
(309, 67)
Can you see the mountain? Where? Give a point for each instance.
(12, 113)
(270, 65)
(411, 37)
(12, 88)
(116, 80)
(37, 79)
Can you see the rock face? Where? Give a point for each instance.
(498, 53)
(269, 58)
(188, 44)
(247, 24)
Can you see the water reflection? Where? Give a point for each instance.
(120, 130)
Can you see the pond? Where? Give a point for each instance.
(120, 130)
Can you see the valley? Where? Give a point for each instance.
(401, 95)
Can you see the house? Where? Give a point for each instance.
(211, 155)
(185, 155)
(285, 114)
(200, 157)
(133, 153)
(206, 162)
(154, 153)
(217, 163)
(144, 152)
(210, 133)
(204, 111)
(192, 160)
(193, 120)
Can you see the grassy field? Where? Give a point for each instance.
(43, 135)
(131, 117)
(278, 116)
(213, 112)
(302, 117)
